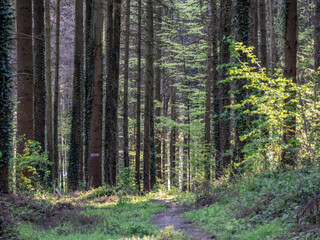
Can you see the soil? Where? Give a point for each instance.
(173, 216)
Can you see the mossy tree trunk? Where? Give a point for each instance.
(5, 96)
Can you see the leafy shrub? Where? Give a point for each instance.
(31, 167)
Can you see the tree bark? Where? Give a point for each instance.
(224, 158)
(317, 36)
(56, 97)
(263, 34)
(288, 155)
(95, 137)
(88, 80)
(148, 119)
(126, 89)
(138, 138)
(158, 89)
(25, 108)
(49, 112)
(76, 118)
(111, 133)
(39, 74)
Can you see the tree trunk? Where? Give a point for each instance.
(95, 137)
(76, 119)
(254, 26)
(288, 155)
(25, 109)
(263, 33)
(172, 135)
(5, 96)
(56, 98)
(242, 35)
(224, 158)
(317, 36)
(111, 135)
(158, 89)
(138, 138)
(39, 74)
(49, 113)
(207, 120)
(126, 89)
(150, 74)
(88, 80)
(149, 162)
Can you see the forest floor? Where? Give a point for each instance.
(257, 207)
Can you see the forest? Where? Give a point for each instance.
(160, 119)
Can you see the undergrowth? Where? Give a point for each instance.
(263, 206)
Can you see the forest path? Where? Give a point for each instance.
(173, 216)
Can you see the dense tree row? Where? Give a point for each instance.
(160, 90)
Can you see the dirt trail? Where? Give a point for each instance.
(173, 216)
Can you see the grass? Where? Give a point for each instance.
(261, 207)
(125, 217)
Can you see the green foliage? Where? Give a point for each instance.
(31, 167)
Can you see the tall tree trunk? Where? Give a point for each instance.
(56, 98)
(288, 155)
(172, 134)
(150, 74)
(76, 119)
(263, 33)
(273, 36)
(88, 80)
(242, 35)
(95, 137)
(111, 135)
(25, 109)
(126, 89)
(39, 74)
(5, 96)
(254, 26)
(215, 88)
(224, 158)
(138, 138)
(49, 113)
(207, 120)
(148, 119)
(157, 77)
(317, 36)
